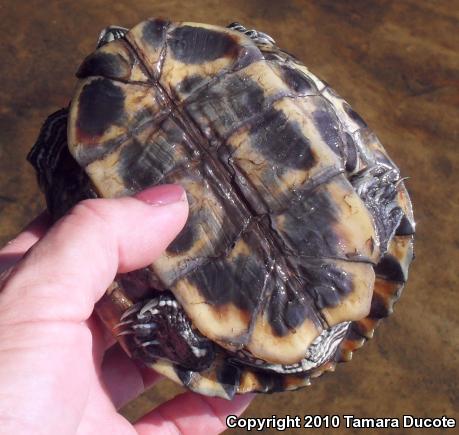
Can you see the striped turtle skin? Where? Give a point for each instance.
(300, 231)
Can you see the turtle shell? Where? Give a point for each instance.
(299, 222)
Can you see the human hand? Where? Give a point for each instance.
(53, 375)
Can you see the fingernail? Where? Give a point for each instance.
(162, 195)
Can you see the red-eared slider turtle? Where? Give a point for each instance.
(300, 231)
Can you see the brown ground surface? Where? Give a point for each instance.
(396, 62)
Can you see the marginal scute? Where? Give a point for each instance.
(348, 117)
(407, 225)
(390, 269)
(351, 154)
(228, 376)
(385, 294)
(297, 81)
(354, 115)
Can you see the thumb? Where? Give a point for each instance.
(69, 269)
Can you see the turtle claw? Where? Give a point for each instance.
(160, 329)
(144, 329)
(123, 323)
(131, 310)
(149, 343)
(127, 332)
(149, 307)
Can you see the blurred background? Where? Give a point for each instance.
(396, 62)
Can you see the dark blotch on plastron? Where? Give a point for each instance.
(187, 237)
(273, 56)
(390, 269)
(109, 65)
(198, 45)
(135, 174)
(101, 105)
(351, 154)
(243, 96)
(296, 80)
(239, 282)
(145, 163)
(288, 307)
(329, 130)
(327, 284)
(308, 226)
(228, 103)
(354, 115)
(229, 376)
(189, 84)
(276, 311)
(297, 309)
(154, 32)
(185, 240)
(282, 142)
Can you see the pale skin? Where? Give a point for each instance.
(59, 373)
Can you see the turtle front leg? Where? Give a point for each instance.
(160, 329)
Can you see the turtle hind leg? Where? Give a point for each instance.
(159, 329)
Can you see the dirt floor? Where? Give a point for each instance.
(396, 62)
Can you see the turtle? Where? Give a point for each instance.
(301, 229)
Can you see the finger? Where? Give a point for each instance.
(68, 270)
(123, 379)
(13, 251)
(191, 413)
